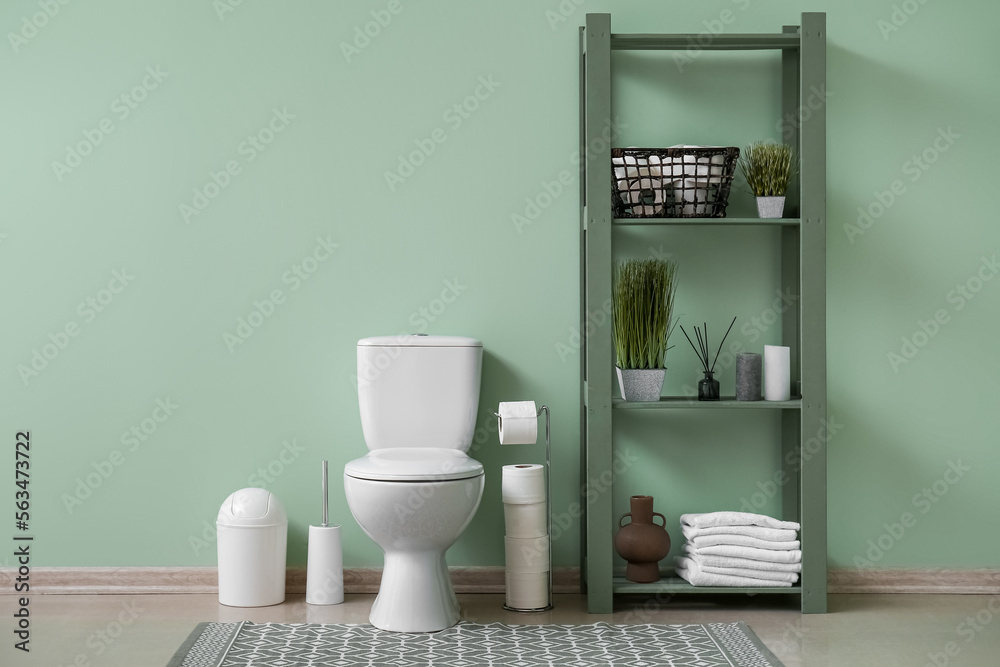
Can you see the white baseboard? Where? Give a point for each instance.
(156, 580)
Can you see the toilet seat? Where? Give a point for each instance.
(414, 464)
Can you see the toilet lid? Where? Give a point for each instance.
(414, 464)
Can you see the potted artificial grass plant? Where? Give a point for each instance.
(643, 313)
(767, 168)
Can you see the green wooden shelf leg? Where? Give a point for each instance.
(812, 141)
(597, 290)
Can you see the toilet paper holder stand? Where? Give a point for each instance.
(548, 506)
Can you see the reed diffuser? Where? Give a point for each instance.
(708, 386)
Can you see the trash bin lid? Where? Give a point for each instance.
(252, 507)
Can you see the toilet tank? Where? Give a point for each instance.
(419, 391)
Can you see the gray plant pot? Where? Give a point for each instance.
(641, 384)
(770, 207)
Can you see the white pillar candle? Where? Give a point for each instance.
(777, 373)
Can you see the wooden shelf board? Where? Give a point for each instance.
(678, 585)
(721, 42)
(685, 403)
(732, 222)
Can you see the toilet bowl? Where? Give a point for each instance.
(416, 490)
(415, 517)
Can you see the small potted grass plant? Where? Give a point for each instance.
(767, 168)
(643, 303)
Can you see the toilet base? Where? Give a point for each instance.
(415, 594)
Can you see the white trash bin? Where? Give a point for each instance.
(252, 533)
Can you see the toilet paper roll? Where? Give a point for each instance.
(527, 555)
(527, 590)
(324, 566)
(777, 374)
(523, 483)
(526, 520)
(518, 423)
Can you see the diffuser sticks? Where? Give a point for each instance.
(708, 387)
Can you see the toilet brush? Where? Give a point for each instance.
(325, 567)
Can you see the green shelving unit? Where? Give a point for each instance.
(803, 270)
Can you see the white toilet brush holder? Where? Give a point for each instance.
(325, 559)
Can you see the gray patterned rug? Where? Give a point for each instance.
(473, 645)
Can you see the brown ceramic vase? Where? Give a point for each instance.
(642, 543)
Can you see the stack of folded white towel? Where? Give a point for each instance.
(739, 549)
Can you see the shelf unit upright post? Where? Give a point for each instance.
(803, 273)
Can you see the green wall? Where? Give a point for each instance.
(171, 168)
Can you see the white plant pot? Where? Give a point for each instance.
(641, 384)
(770, 207)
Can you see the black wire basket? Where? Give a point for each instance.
(676, 182)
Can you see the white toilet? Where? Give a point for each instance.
(416, 490)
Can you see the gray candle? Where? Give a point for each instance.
(748, 373)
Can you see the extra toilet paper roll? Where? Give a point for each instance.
(777, 373)
(523, 483)
(526, 519)
(527, 590)
(325, 566)
(527, 555)
(518, 423)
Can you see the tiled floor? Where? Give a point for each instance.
(860, 630)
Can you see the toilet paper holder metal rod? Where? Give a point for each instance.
(548, 497)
